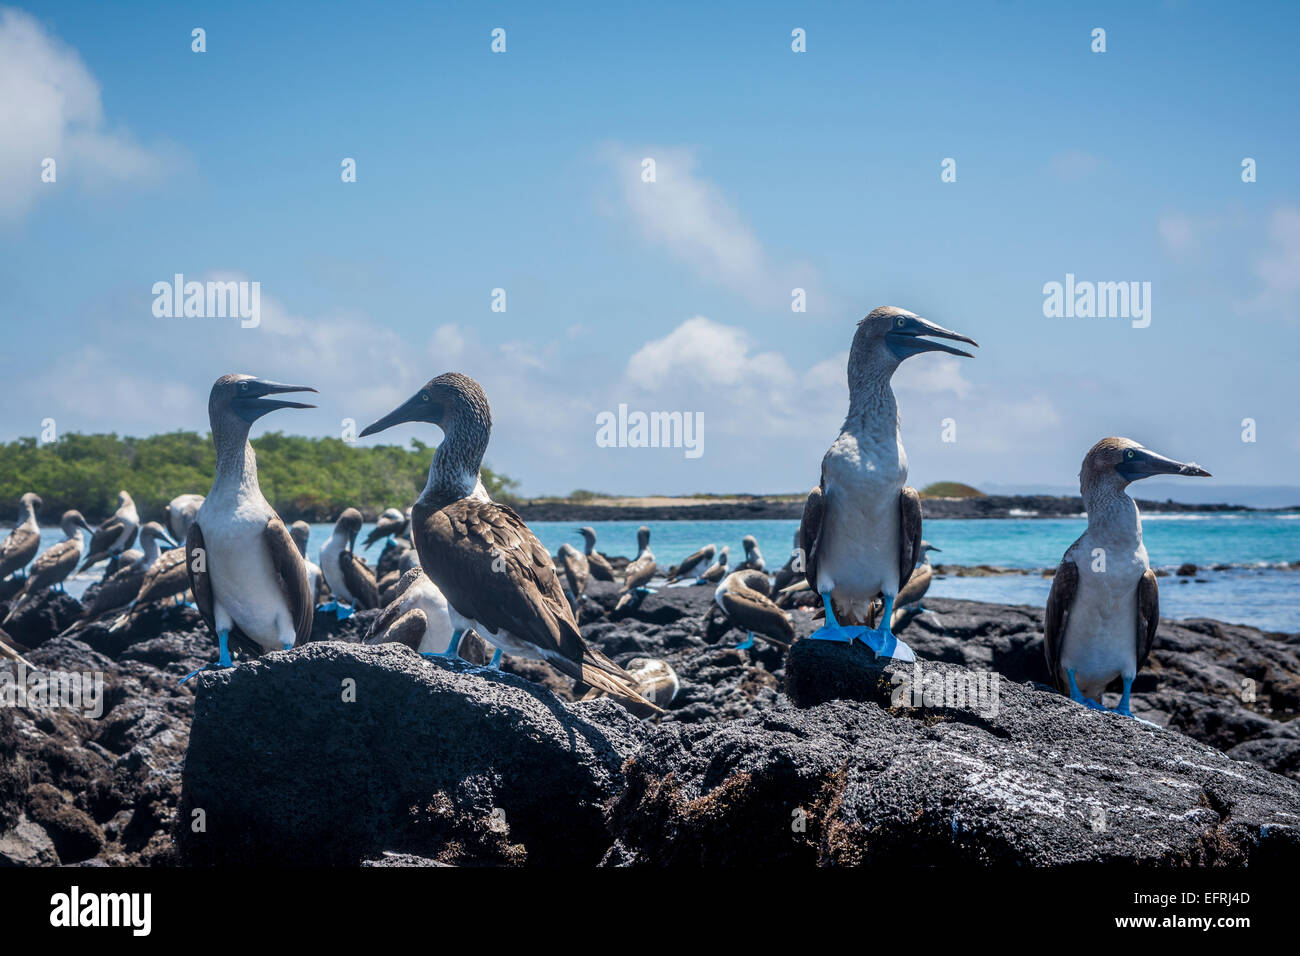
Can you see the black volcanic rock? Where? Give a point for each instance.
(427, 759)
(1040, 782)
(42, 617)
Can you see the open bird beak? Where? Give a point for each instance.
(1139, 463)
(904, 339)
(414, 409)
(251, 403)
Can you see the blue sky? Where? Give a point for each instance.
(775, 170)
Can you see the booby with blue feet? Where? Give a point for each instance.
(300, 531)
(249, 581)
(54, 564)
(391, 522)
(861, 527)
(596, 562)
(497, 577)
(349, 578)
(1104, 605)
(744, 596)
(115, 535)
(24, 540)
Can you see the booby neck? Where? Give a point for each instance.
(454, 471)
(236, 463)
(873, 409)
(27, 515)
(1110, 508)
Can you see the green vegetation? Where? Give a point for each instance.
(309, 478)
(950, 489)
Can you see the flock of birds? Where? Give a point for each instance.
(462, 575)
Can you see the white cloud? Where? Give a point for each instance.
(693, 220)
(1179, 234)
(50, 106)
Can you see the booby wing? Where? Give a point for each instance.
(360, 580)
(810, 531)
(54, 564)
(493, 570)
(19, 547)
(639, 571)
(689, 564)
(1148, 615)
(754, 612)
(1059, 601)
(915, 588)
(104, 538)
(576, 571)
(292, 575)
(399, 628)
(909, 534)
(165, 578)
(600, 567)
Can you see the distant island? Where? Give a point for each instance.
(313, 479)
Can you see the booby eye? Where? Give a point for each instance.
(901, 321)
(424, 396)
(1130, 453)
(243, 386)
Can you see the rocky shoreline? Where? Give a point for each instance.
(761, 508)
(344, 754)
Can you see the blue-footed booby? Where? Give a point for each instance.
(247, 577)
(638, 572)
(349, 578)
(300, 531)
(753, 557)
(596, 562)
(576, 571)
(418, 617)
(168, 577)
(654, 679)
(694, 564)
(55, 563)
(1104, 604)
(181, 512)
(716, 571)
(497, 577)
(913, 591)
(115, 535)
(24, 541)
(120, 588)
(861, 526)
(391, 522)
(744, 598)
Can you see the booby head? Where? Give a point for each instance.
(153, 531)
(124, 500)
(927, 546)
(588, 534)
(30, 503)
(71, 521)
(888, 335)
(240, 398)
(348, 526)
(392, 514)
(567, 550)
(300, 531)
(1118, 461)
(724, 555)
(642, 538)
(750, 542)
(451, 401)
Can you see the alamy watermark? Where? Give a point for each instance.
(651, 430)
(947, 689)
(209, 300)
(67, 690)
(1098, 300)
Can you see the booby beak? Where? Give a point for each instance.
(167, 541)
(251, 404)
(414, 409)
(930, 547)
(85, 526)
(904, 338)
(1138, 463)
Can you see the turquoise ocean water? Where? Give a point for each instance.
(1254, 590)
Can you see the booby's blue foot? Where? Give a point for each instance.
(646, 590)
(327, 606)
(496, 659)
(747, 643)
(343, 611)
(1123, 708)
(882, 641)
(1076, 695)
(833, 631)
(223, 657)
